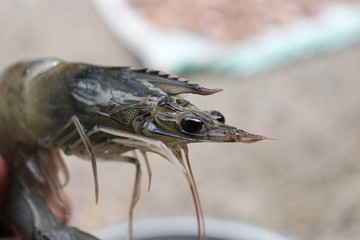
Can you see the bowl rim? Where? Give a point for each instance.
(186, 226)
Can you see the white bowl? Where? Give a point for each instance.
(185, 228)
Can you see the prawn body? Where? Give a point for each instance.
(102, 112)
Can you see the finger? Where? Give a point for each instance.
(3, 178)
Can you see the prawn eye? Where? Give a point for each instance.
(217, 116)
(192, 125)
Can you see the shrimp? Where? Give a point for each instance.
(97, 112)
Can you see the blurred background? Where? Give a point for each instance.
(289, 69)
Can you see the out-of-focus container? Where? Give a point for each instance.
(185, 228)
(178, 51)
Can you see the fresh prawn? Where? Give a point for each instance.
(98, 112)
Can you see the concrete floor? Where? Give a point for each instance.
(307, 184)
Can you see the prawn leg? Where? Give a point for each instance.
(140, 142)
(134, 141)
(74, 121)
(51, 138)
(147, 164)
(136, 187)
(148, 168)
(143, 143)
(86, 141)
(113, 157)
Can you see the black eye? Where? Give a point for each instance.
(191, 125)
(218, 116)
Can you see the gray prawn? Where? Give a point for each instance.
(98, 112)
